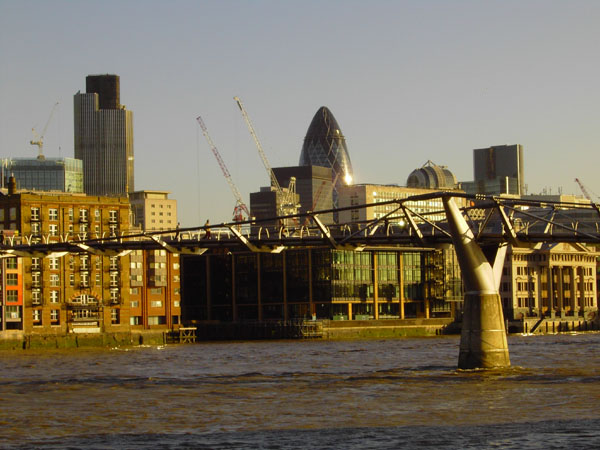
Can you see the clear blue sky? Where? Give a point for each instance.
(408, 81)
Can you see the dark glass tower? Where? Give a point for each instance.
(104, 138)
(325, 146)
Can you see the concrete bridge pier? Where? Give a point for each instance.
(483, 341)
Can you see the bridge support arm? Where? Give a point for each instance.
(483, 342)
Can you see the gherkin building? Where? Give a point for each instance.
(325, 146)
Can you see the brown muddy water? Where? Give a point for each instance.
(364, 394)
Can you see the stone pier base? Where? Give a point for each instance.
(483, 341)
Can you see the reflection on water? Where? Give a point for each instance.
(289, 394)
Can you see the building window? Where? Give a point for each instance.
(52, 214)
(37, 317)
(156, 303)
(12, 279)
(54, 279)
(55, 316)
(113, 215)
(133, 291)
(71, 279)
(13, 213)
(53, 229)
(98, 280)
(35, 213)
(35, 279)
(97, 214)
(71, 214)
(84, 279)
(114, 296)
(36, 297)
(35, 264)
(83, 215)
(135, 303)
(35, 228)
(54, 295)
(156, 320)
(11, 263)
(114, 316)
(54, 265)
(135, 320)
(114, 279)
(12, 296)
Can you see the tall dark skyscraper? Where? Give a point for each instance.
(104, 137)
(499, 170)
(325, 146)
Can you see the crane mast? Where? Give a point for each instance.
(39, 139)
(240, 207)
(584, 190)
(287, 204)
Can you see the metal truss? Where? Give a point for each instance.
(493, 221)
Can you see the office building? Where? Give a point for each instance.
(325, 146)
(104, 137)
(498, 170)
(48, 174)
(321, 283)
(550, 280)
(313, 186)
(362, 194)
(153, 210)
(267, 204)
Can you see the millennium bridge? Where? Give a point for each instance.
(479, 226)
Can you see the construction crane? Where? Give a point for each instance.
(585, 190)
(39, 139)
(287, 204)
(316, 200)
(241, 211)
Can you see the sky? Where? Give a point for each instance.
(408, 82)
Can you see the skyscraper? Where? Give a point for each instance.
(325, 146)
(499, 170)
(104, 137)
(48, 174)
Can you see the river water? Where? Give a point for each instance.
(363, 394)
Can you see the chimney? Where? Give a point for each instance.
(12, 185)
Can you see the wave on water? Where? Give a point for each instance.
(580, 434)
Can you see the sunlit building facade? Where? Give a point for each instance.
(550, 280)
(45, 174)
(65, 293)
(321, 283)
(104, 138)
(362, 194)
(325, 145)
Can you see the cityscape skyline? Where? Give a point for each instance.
(407, 82)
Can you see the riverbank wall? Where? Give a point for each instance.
(304, 329)
(552, 325)
(17, 340)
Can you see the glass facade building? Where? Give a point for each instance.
(325, 146)
(48, 174)
(321, 283)
(104, 138)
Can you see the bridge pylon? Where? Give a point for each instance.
(483, 342)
